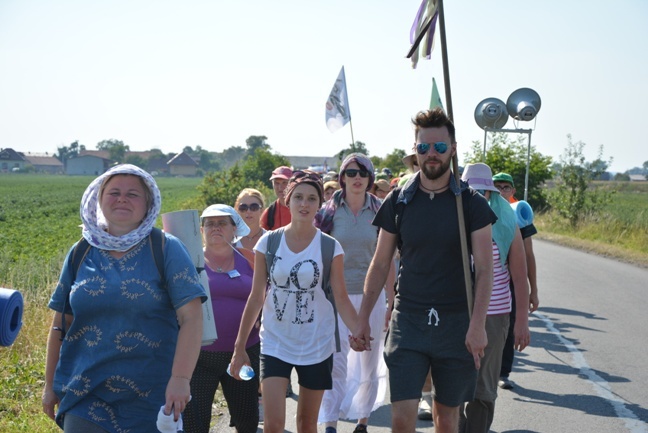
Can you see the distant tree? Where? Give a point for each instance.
(357, 147)
(506, 155)
(116, 148)
(208, 162)
(135, 160)
(377, 162)
(67, 152)
(600, 167)
(259, 166)
(225, 185)
(622, 177)
(645, 167)
(394, 161)
(572, 198)
(62, 154)
(231, 156)
(254, 142)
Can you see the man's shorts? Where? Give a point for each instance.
(417, 342)
(315, 376)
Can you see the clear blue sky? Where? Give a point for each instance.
(169, 74)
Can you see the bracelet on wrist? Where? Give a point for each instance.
(181, 377)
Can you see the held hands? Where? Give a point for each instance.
(361, 339)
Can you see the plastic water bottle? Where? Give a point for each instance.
(246, 372)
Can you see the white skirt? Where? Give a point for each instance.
(359, 378)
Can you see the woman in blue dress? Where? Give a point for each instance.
(132, 335)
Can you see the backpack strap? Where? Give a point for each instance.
(271, 215)
(246, 254)
(274, 239)
(399, 207)
(75, 258)
(156, 241)
(328, 249)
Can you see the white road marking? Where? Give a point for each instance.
(600, 385)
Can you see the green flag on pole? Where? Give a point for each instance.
(435, 100)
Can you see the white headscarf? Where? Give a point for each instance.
(95, 224)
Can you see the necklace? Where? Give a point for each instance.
(224, 266)
(257, 234)
(432, 191)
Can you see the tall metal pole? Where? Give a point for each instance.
(526, 176)
(455, 165)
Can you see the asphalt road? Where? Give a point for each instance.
(585, 370)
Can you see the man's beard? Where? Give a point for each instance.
(433, 173)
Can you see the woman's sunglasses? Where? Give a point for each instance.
(423, 148)
(298, 174)
(252, 207)
(353, 172)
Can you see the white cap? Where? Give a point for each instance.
(224, 210)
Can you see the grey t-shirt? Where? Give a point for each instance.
(431, 270)
(358, 237)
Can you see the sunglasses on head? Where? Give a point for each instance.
(353, 172)
(423, 148)
(252, 207)
(307, 174)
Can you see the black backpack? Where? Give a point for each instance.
(271, 215)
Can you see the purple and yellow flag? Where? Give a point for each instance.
(422, 31)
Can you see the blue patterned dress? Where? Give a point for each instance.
(116, 359)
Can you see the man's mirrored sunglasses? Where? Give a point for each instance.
(439, 146)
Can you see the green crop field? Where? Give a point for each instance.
(39, 222)
(39, 219)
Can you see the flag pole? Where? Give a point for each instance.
(455, 165)
(346, 89)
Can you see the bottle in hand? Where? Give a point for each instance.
(246, 372)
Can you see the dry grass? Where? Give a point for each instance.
(614, 252)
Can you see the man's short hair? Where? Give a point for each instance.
(435, 118)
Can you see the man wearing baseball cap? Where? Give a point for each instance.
(277, 214)
(504, 183)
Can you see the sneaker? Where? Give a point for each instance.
(425, 408)
(505, 383)
(260, 411)
(360, 428)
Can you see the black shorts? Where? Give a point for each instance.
(415, 345)
(315, 376)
